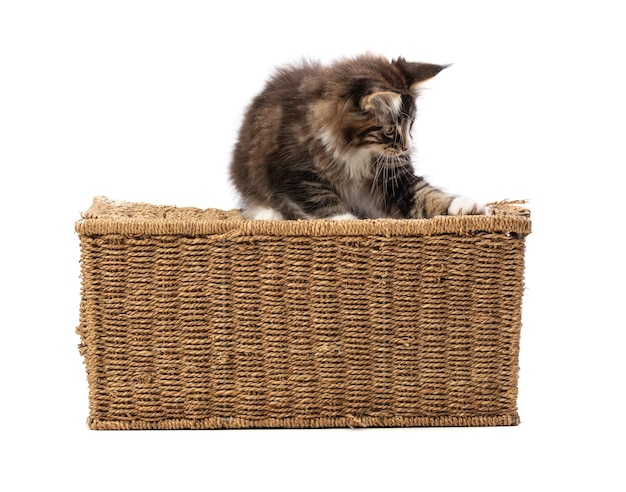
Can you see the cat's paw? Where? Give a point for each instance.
(261, 213)
(463, 205)
(343, 217)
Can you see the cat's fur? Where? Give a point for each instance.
(334, 142)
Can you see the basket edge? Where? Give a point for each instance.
(352, 422)
(117, 217)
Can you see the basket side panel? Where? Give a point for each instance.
(254, 331)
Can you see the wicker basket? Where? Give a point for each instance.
(198, 319)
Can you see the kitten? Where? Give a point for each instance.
(334, 142)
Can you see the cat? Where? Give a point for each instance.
(334, 142)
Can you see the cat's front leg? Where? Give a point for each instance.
(347, 216)
(428, 201)
(259, 212)
(306, 195)
(462, 205)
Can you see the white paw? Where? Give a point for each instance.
(343, 217)
(463, 205)
(261, 213)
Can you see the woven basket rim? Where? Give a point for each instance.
(106, 216)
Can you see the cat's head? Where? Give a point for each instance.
(379, 103)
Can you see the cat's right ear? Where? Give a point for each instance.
(421, 72)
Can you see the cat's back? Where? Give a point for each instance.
(288, 83)
(273, 123)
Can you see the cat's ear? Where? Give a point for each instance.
(419, 72)
(382, 103)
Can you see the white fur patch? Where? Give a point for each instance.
(327, 139)
(343, 217)
(261, 213)
(463, 205)
(357, 162)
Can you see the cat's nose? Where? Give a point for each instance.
(405, 144)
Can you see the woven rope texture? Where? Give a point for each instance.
(198, 319)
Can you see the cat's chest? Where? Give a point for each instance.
(355, 189)
(361, 199)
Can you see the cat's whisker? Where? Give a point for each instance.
(379, 168)
(395, 183)
(383, 184)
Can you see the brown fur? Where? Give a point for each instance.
(334, 141)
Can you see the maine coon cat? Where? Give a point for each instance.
(335, 142)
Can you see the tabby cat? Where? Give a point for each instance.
(335, 142)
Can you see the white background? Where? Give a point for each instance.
(141, 101)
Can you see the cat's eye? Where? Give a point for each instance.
(389, 130)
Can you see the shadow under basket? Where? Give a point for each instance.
(199, 319)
